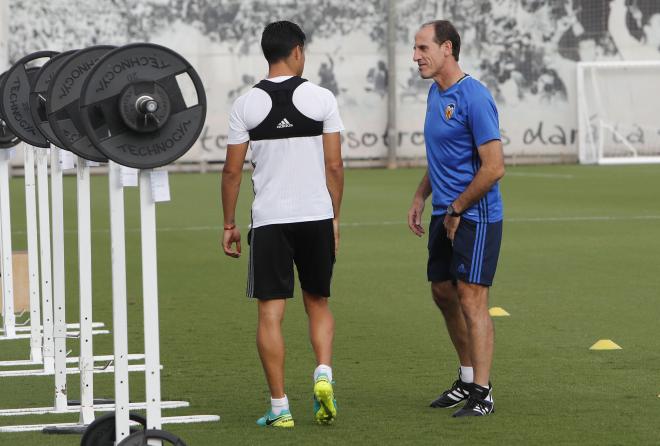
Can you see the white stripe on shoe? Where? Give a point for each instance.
(454, 397)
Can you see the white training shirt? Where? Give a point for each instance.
(289, 174)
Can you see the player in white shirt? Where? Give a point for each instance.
(293, 128)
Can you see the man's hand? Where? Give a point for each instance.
(335, 228)
(451, 225)
(230, 237)
(415, 216)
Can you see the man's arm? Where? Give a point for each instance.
(417, 208)
(334, 176)
(232, 173)
(490, 172)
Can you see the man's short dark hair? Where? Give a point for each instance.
(444, 31)
(279, 39)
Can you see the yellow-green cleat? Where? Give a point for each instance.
(284, 419)
(325, 405)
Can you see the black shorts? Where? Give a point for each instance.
(275, 248)
(472, 258)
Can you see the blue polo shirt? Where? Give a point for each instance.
(458, 121)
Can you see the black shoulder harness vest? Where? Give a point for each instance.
(284, 120)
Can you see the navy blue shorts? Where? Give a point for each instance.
(472, 258)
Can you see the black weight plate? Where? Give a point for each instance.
(2, 77)
(62, 100)
(141, 438)
(15, 99)
(7, 137)
(32, 73)
(132, 65)
(101, 432)
(38, 90)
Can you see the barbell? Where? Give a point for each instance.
(141, 105)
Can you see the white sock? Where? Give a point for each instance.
(277, 405)
(467, 374)
(323, 369)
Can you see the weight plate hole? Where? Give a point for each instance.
(187, 89)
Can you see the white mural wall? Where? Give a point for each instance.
(524, 50)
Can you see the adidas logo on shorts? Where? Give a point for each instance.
(284, 123)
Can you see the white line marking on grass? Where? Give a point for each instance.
(189, 228)
(585, 218)
(506, 220)
(404, 223)
(540, 175)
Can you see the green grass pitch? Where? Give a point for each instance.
(580, 262)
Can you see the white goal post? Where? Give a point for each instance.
(618, 111)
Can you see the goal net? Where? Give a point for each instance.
(618, 112)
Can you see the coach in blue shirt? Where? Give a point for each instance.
(465, 162)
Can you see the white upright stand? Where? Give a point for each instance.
(151, 315)
(38, 328)
(119, 307)
(36, 344)
(36, 338)
(150, 304)
(43, 350)
(150, 300)
(9, 318)
(152, 366)
(45, 258)
(86, 360)
(59, 302)
(43, 246)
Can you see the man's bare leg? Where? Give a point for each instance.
(474, 303)
(321, 335)
(445, 297)
(321, 327)
(270, 344)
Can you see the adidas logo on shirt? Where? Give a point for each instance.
(284, 123)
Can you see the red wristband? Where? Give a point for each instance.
(229, 227)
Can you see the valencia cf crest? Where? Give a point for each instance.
(449, 111)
